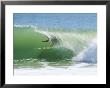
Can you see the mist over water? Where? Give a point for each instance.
(84, 48)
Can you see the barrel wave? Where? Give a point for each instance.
(34, 47)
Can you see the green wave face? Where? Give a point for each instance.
(31, 51)
(29, 45)
(27, 42)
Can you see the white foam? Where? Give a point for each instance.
(89, 54)
(78, 69)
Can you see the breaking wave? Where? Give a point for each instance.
(82, 44)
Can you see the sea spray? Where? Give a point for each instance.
(89, 49)
(89, 54)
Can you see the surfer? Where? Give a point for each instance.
(54, 40)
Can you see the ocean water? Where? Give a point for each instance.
(54, 43)
(58, 20)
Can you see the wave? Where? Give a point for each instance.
(30, 44)
(87, 55)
